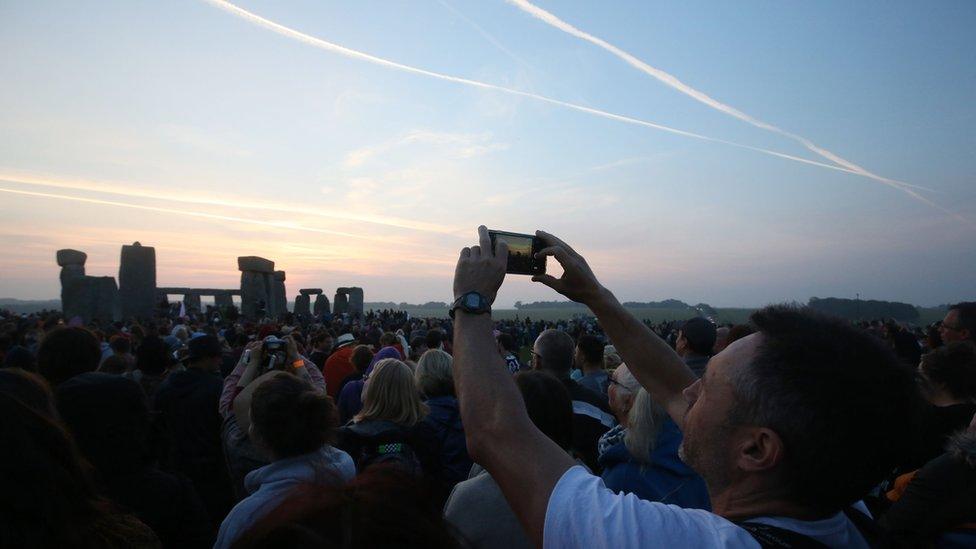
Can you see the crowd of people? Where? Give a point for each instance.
(793, 430)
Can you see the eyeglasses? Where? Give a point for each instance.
(615, 382)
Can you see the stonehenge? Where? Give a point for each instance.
(137, 281)
(349, 300)
(86, 297)
(321, 305)
(303, 301)
(262, 290)
(257, 286)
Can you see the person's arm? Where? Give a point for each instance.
(652, 361)
(232, 383)
(499, 434)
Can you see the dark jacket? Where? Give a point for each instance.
(108, 418)
(187, 403)
(360, 441)
(666, 479)
(444, 420)
(941, 497)
(591, 418)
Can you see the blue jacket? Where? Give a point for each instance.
(270, 484)
(667, 479)
(444, 420)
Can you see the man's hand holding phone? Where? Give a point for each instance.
(480, 268)
(578, 282)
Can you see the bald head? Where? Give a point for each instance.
(554, 351)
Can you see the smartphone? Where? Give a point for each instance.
(521, 252)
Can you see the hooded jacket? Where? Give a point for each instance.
(941, 497)
(188, 403)
(444, 419)
(269, 485)
(666, 479)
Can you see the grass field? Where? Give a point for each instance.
(928, 315)
(654, 315)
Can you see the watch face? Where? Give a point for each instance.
(472, 301)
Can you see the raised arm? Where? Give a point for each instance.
(652, 361)
(500, 436)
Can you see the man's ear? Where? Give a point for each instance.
(759, 449)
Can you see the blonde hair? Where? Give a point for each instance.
(434, 376)
(390, 394)
(644, 423)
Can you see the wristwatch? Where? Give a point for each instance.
(471, 302)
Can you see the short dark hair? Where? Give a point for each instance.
(548, 404)
(700, 334)
(120, 344)
(361, 357)
(592, 348)
(507, 342)
(434, 338)
(838, 398)
(967, 317)
(66, 352)
(953, 365)
(383, 506)
(556, 348)
(387, 339)
(291, 417)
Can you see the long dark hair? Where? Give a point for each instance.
(47, 497)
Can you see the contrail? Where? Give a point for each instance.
(126, 190)
(672, 81)
(486, 35)
(275, 224)
(342, 50)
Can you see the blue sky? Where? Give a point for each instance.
(274, 146)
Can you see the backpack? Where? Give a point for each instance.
(774, 537)
(380, 443)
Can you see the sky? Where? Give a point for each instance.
(188, 127)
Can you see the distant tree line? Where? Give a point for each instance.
(854, 309)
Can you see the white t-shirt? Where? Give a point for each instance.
(582, 512)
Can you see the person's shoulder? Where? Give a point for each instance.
(628, 521)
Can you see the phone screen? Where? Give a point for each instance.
(521, 252)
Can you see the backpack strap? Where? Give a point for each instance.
(774, 537)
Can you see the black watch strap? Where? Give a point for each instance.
(471, 302)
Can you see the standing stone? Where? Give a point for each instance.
(72, 263)
(279, 295)
(223, 300)
(340, 304)
(302, 305)
(104, 295)
(321, 305)
(137, 281)
(355, 301)
(192, 302)
(74, 288)
(256, 285)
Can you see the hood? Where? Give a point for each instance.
(962, 447)
(375, 428)
(665, 454)
(324, 466)
(385, 352)
(188, 380)
(444, 410)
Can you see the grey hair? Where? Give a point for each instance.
(433, 375)
(645, 420)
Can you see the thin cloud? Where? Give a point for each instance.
(287, 225)
(129, 191)
(355, 54)
(673, 82)
(460, 145)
